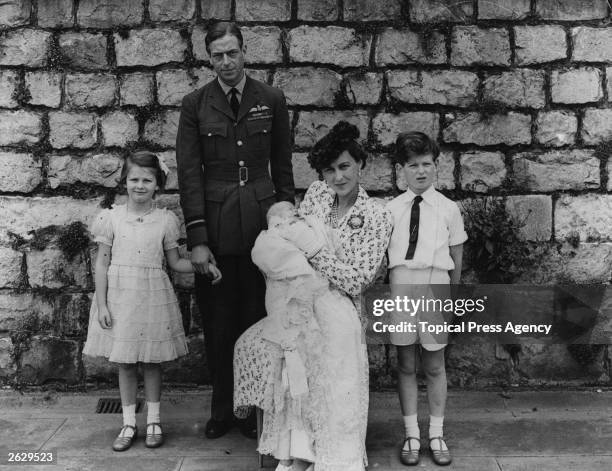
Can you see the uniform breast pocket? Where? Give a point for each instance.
(259, 134)
(212, 136)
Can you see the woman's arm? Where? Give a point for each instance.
(456, 253)
(101, 281)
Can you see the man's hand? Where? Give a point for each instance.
(104, 318)
(201, 256)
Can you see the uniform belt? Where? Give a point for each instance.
(239, 174)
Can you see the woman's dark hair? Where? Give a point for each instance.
(414, 144)
(342, 137)
(220, 29)
(146, 159)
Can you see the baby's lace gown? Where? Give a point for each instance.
(146, 320)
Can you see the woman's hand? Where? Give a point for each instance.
(303, 237)
(104, 318)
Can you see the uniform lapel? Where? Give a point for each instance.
(219, 100)
(250, 97)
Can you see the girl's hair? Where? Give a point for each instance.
(145, 159)
(342, 137)
(414, 144)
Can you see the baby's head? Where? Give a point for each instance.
(280, 213)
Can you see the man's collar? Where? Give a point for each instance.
(239, 86)
(428, 195)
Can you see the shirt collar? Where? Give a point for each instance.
(428, 195)
(239, 86)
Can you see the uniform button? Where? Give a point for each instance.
(209, 134)
(239, 143)
(241, 163)
(242, 183)
(265, 131)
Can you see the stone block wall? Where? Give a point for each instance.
(517, 92)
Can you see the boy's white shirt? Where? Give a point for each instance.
(440, 226)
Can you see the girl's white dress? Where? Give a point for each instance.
(146, 319)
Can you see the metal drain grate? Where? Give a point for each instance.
(112, 405)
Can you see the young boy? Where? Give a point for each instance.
(426, 248)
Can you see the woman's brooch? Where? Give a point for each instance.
(356, 222)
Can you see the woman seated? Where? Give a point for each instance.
(323, 423)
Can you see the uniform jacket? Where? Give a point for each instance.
(212, 151)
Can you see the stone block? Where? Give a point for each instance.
(471, 45)
(15, 13)
(261, 75)
(587, 215)
(377, 174)
(444, 178)
(45, 88)
(592, 44)
(534, 215)
(149, 47)
(609, 80)
(386, 126)
(9, 81)
(597, 126)
(174, 84)
(609, 172)
(317, 10)
(19, 312)
(99, 369)
(175, 10)
(441, 11)
(72, 130)
(119, 128)
(161, 129)
(313, 125)
(55, 14)
(539, 44)
(444, 87)
(49, 268)
(590, 264)
(556, 170)
(556, 128)
(110, 13)
(403, 46)
(503, 9)
(191, 368)
(270, 10)
(169, 157)
(90, 90)
(576, 86)
(7, 358)
(198, 36)
(517, 88)
(303, 173)
(217, 9)
(571, 10)
(263, 45)
(343, 47)
(482, 171)
(19, 172)
(20, 127)
(363, 88)
(365, 10)
(470, 128)
(10, 267)
(136, 89)
(98, 169)
(22, 215)
(84, 50)
(24, 47)
(71, 314)
(308, 85)
(49, 359)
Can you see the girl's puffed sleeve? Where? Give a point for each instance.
(102, 228)
(172, 231)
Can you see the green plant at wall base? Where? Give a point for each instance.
(497, 252)
(73, 239)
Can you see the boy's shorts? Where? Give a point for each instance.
(425, 284)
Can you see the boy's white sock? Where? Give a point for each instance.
(153, 412)
(411, 429)
(129, 418)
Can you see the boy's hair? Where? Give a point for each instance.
(145, 159)
(414, 144)
(220, 29)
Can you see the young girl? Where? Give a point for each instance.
(134, 315)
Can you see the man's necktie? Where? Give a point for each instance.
(234, 103)
(415, 214)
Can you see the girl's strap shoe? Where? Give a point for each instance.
(441, 457)
(410, 456)
(122, 443)
(154, 440)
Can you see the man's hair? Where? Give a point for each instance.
(414, 144)
(220, 29)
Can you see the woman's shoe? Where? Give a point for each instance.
(441, 457)
(122, 443)
(410, 457)
(154, 440)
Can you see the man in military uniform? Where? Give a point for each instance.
(233, 155)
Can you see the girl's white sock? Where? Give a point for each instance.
(411, 429)
(129, 418)
(436, 426)
(153, 412)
